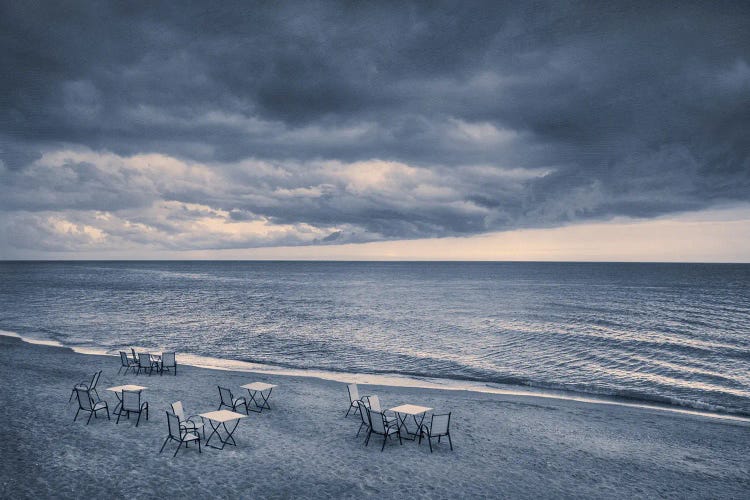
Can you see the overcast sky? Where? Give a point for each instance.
(135, 130)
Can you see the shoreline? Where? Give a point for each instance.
(396, 380)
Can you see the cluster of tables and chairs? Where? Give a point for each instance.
(406, 421)
(183, 429)
(147, 362)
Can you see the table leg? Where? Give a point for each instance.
(216, 429)
(259, 407)
(118, 405)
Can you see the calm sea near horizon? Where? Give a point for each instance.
(668, 333)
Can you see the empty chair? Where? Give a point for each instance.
(190, 423)
(379, 425)
(439, 427)
(373, 403)
(179, 434)
(353, 398)
(87, 403)
(145, 363)
(131, 403)
(363, 414)
(126, 362)
(167, 361)
(228, 400)
(87, 385)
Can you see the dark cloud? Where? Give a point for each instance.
(365, 120)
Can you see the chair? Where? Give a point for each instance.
(126, 362)
(87, 403)
(379, 425)
(228, 400)
(363, 414)
(353, 398)
(167, 361)
(145, 363)
(190, 423)
(439, 427)
(131, 403)
(373, 403)
(179, 434)
(87, 386)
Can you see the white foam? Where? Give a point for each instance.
(387, 380)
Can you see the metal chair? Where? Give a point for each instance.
(439, 427)
(126, 362)
(379, 425)
(131, 403)
(87, 386)
(145, 363)
(179, 434)
(373, 403)
(228, 400)
(190, 424)
(87, 403)
(168, 361)
(353, 398)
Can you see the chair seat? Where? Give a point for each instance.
(191, 436)
(100, 405)
(236, 401)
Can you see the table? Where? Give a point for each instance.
(257, 389)
(118, 390)
(218, 420)
(402, 412)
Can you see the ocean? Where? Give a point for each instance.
(675, 334)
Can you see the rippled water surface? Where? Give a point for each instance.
(676, 333)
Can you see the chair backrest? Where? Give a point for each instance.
(440, 424)
(144, 359)
(377, 422)
(84, 399)
(353, 392)
(95, 380)
(123, 358)
(131, 400)
(225, 395)
(363, 412)
(168, 359)
(135, 358)
(178, 410)
(374, 403)
(173, 422)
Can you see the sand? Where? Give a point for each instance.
(504, 446)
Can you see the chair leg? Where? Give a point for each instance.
(165, 443)
(199, 445)
(449, 441)
(429, 440)
(385, 438)
(139, 418)
(178, 449)
(74, 418)
(369, 433)
(118, 416)
(89, 420)
(107, 408)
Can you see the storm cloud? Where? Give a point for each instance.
(192, 126)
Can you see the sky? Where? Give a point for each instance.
(375, 130)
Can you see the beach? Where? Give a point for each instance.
(504, 445)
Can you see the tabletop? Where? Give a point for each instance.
(258, 386)
(222, 415)
(120, 388)
(410, 409)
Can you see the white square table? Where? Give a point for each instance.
(403, 411)
(258, 389)
(118, 391)
(219, 419)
